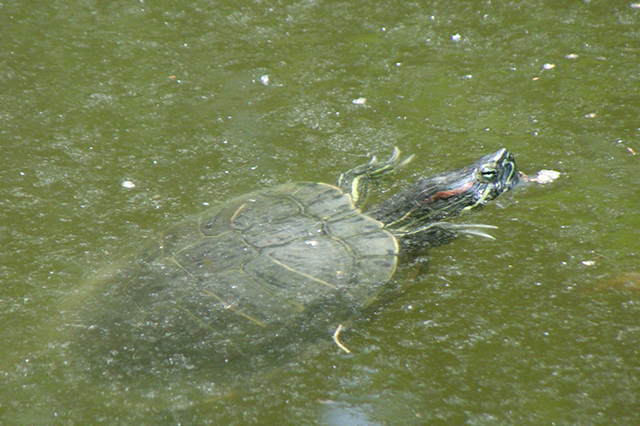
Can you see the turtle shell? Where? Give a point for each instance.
(277, 264)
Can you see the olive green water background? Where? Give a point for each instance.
(196, 101)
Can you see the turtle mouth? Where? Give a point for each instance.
(507, 163)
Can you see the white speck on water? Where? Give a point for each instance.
(128, 184)
(264, 79)
(547, 176)
(359, 101)
(548, 66)
(456, 38)
(311, 242)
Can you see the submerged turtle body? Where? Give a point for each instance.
(260, 274)
(268, 255)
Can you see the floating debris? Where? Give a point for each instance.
(128, 184)
(628, 148)
(627, 281)
(544, 176)
(264, 79)
(359, 101)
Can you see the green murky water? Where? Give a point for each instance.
(196, 101)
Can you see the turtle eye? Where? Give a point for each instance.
(489, 173)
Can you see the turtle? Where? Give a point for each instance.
(266, 272)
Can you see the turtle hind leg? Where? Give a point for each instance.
(355, 182)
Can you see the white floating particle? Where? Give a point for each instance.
(572, 56)
(264, 79)
(456, 37)
(359, 101)
(548, 66)
(546, 176)
(128, 184)
(588, 262)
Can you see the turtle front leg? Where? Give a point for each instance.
(355, 182)
(437, 234)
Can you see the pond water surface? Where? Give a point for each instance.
(119, 119)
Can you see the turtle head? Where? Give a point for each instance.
(440, 197)
(449, 194)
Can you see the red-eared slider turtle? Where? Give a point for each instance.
(268, 270)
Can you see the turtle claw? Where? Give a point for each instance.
(475, 233)
(378, 169)
(441, 233)
(473, 229)
(356, 181)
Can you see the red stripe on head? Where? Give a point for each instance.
(448, 193)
